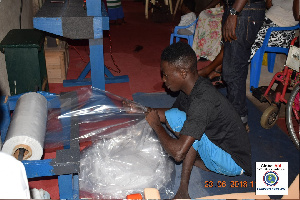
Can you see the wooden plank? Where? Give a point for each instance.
(57, 63)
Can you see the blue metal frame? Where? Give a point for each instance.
(96, 10)
(81, 80)
(67, 161)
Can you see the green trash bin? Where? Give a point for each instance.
(25, 60)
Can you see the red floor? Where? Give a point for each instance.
(120, 42)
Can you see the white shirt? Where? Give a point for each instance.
(281, 13)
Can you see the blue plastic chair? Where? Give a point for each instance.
(257, 59)
(177, 36)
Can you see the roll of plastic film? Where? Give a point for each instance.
(28, 127)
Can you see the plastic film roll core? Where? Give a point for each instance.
(27, 153)
(28, 127)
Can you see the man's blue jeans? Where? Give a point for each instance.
(237, 53)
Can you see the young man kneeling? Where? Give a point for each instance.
(210, 133)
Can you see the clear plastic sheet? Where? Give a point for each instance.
(94, 112)
(121, 154)
(125, 164)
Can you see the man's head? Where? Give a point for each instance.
(181, 56)
(177, 62)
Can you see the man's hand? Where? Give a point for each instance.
(229, 28)
(131, 107)
(152, 118)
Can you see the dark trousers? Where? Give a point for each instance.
(237, 54)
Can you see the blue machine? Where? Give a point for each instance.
(66, 165)
(71, 19)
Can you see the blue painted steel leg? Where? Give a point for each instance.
(75, 186)
(5, 121)
(97, 63)
(85, 72)
(68, 186)
(65, 184)
(81, 80)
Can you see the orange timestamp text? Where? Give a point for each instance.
(232, 184)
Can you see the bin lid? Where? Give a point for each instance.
(23, 38)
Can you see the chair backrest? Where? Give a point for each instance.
(184, 27)
(269, 31)
(195, 23)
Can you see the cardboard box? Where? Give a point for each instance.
(57, 62)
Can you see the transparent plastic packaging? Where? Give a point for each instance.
(93, 111)
(127, 163)
(121, 154)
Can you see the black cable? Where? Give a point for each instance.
(111, 55)
(20, 18)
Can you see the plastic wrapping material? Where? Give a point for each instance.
(28, 127)
(95, 112)
(121, 154)
(127, 163)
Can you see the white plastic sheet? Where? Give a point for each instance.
(28, 127)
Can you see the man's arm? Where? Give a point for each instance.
(268, 4)
(230, 24)
(177, 148)
(162, 117)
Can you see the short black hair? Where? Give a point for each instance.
(190, 4)
(180, 55)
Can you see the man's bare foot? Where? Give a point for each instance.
(182, 195)
(214, 74)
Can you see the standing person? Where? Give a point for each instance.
(115, 12)
(241, 21)
(188, 17)
(210, 133)
(296, 10)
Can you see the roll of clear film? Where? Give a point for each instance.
(28, 127)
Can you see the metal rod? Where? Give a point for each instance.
(21, 154)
